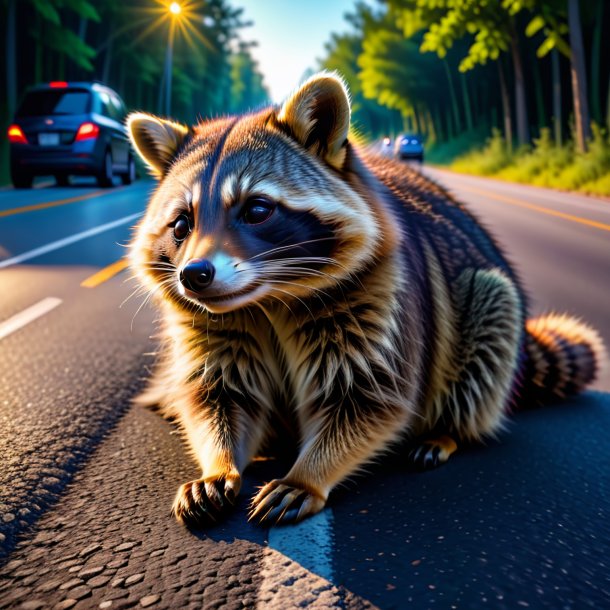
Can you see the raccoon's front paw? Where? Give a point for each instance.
(205, 502)
(281, 501)
(431, 453)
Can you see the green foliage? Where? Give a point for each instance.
(447, 151)
(247, 87)
(46, 10)
(490, 25)
(82, 8)
(491, 159)
(370, 117)
(545, 164)
(68, 44)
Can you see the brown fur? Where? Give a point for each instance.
(371, 305)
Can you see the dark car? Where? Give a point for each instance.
(70, 128)
(409, 147)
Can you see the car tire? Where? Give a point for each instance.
(21, 179)
(62, 180)
(130, 175)
(105, 175)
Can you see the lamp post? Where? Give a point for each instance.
(174, 9)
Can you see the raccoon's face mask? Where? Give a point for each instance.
(253, 207)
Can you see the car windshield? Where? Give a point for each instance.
(66, 101)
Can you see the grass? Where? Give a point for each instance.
(543, 164)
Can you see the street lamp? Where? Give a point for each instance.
(175, 9)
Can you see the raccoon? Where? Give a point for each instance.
(302, 279)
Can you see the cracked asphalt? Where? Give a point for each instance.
(87, 480)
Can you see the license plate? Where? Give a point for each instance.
(48, 139)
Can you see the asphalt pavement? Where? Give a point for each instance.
(87, 480)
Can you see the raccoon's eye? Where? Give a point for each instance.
(182, 228)
(257, 210)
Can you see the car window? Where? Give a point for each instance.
(111, 106)
(65, 101)
(118, 107)
(106, 108)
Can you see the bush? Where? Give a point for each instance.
(487, 161)
(590, 166)
(545, 164)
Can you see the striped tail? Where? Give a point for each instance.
(563, 356)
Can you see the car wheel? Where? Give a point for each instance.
(62, 180)
(130, 176)
(21, 179)
(104, 178)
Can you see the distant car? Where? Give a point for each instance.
(65, 128)
(409, 147)
(385, 147)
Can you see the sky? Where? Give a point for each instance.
(291, 35)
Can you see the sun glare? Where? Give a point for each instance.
(186, 16)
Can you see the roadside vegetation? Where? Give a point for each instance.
(544, 163)
(514, 89)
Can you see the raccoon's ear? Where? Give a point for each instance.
(318, 115)
(156, 140)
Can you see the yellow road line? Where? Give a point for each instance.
(52, 204)
(538, 208)
(105, 274)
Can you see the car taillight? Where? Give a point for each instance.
(87, 131)
(58, 84)
(16, 136)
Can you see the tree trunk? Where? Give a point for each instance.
(608, 107)
(579, 77)
(523, 134)
(38, 46)
(556, 76)
(540, 111)
(467, 107)
(596, 102)
(438, 125)
(508, 124)
(82, 28)
(108, 56)
(415, 121)
(450, 126)
(454, 103)
(434, 136)
(11, 58)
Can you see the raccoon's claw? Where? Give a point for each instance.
(204, 502)
(432, 453)
(283, 502)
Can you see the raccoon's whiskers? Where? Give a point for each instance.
(298, 299)
(162, 285)
(137, 291)
(148, 296)
(287, 247)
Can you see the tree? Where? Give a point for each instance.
(247, 88)
(579, 77)
(491, 26)
(550, 18)
(369, 117)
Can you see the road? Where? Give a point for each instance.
(87, 480)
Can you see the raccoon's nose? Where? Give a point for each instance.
(197, 274)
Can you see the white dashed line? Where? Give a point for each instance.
(61, 243)
(28, 315)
